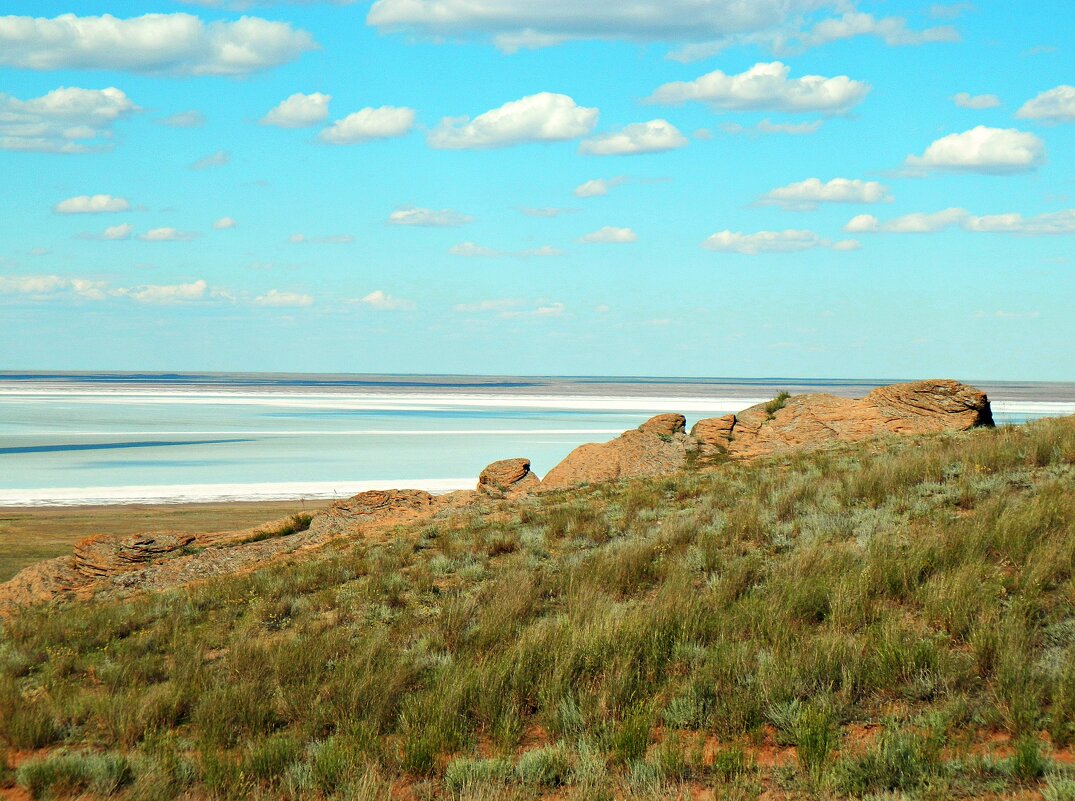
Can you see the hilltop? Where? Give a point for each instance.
(892, 615)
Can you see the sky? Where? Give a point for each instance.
(798, 188)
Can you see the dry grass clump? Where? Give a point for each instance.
(857, 623)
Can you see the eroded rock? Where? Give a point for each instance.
(507, 477)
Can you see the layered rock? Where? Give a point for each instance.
(813, 421)
(377, 506)
(508, 477)
(657, 447)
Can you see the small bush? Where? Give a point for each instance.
(1028, 763)
(66, 773)
(544, 767)
(900, 761)
(776, 404)
(465, 773)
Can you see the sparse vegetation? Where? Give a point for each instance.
(776, 404)
(889, 620)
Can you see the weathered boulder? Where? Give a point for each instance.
(665, 425)
(507, 477)
(657, 447)
(40, 583)
(377, 506)
(105, 555)
(806, 422)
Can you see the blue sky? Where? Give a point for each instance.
(811, 188)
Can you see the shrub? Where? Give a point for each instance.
(544, 767)
(776, 404)
(68, 773)
(900, 761)
(468, 773)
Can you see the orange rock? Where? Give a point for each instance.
(371, 507)
(507, 477)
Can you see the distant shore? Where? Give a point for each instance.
(30, 534)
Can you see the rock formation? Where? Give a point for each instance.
(657, 447)
(507, 478)
(813, 421)
(660, 446)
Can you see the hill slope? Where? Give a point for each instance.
(889, 616)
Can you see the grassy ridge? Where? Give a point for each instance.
(855, 623)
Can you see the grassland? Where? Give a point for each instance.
(886, 621)
(28, 535)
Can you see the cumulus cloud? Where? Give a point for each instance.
(1057, 223)
(116, 233)
(92, 204)
(382, 301)
(165, 294)
(167, 235)
(544, 117)
(983, 150)
(177, 44)
(789, 241)
(765, 127)
(66, 120)
(428, 218)
(598, 187)
(767, 87)
(185, 119)
(806, 195)
(45, 286)
(224, 224)
(1055, 105)
(336, 239)
(893, 31)
(368, 124)
(978, 102)
(278, 299)
(299, 111)
(219, 159)
(655, 136)
(610, 235)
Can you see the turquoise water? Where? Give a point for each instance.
(122, 438)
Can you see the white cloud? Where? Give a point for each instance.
(655, 136)
(66, 120)
(337, 239)
(43, 286)
(893, 31)
(598, 187)
(299, 111)
(1057, 223)
(381, 301)
(158, 294)
(485, 306)
(950, 11)
(277, 299)
(766, 127)
(177, 44)
(219, 159)
(983, 150)
(1055, 105)
(185, 119)
(610, 235)
(544, 117)
(368, 124)
(92, 204)
(966, 100)
(789, 241)
(428, 218)
(806, 195)
(545, 213)
(472, 250)
(523, 24)
(847, 245)
(167, 235)
(118, 232)
(224, 224)
(767, 87)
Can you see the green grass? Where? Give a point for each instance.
(640, 640)
(776, 404)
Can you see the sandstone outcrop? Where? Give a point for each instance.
(657, 447)
(660, 446)
(508, 477)
(371, 507)
(813, 421)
